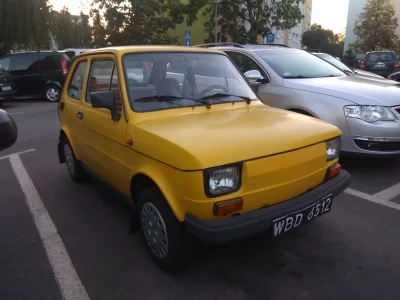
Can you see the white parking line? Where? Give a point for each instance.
(67, 279)
(17, 153)
(382, 197)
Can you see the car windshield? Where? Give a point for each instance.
(298, 64)
(165, 80)
(380, 56)
(334, 61)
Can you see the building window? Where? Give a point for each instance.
(294, 38)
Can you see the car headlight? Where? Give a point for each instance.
(369, 113)
(222, 181)
(333, 149)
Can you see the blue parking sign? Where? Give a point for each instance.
(270, 38)
(188, 38)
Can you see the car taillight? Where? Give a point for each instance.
(63, 66)
(390, 77)
(362, 65)
(396, 65)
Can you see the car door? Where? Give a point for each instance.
(104, 138)
(25, 70)
(246, 63)
(71, 104)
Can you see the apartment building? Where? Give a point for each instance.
(292, 37)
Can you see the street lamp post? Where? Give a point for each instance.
(358, 26)
(216, 21)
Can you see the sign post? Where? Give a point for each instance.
(188, 38)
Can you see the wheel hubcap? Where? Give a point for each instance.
(154, 230)
(69, 159)
(52, 94)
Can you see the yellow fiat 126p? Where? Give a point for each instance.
(181, 132)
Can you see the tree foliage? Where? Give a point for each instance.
(70, 31)
(244, 20)
(376, 26)
(24, 24)
(323, 40)
(133, 22)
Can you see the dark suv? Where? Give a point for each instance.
(382, 63)
(37, 73)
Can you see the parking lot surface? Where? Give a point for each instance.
(59, 239)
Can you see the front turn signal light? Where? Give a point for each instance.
(333, 171)
(225, 208)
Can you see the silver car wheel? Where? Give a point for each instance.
(52, 94)
(154, 230)
(69, 159)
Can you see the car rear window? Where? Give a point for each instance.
(380, 56)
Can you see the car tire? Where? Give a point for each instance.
(165, 237)
(74, 167)
(52, 93)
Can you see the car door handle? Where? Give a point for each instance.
(79, 115)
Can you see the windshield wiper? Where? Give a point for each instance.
(348, 71)
(169, 98)
(218, 96)
(297, 76)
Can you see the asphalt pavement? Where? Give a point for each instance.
(350, 253)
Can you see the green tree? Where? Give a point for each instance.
(70, 31)
(376, 26)
(133, 22)
(31, 32)
(324, 40)
(245, 20)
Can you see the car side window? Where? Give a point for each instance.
(25, 63)
(100, 75)
(75, 86)
(245, 63)
(5, 63)
(116, 91)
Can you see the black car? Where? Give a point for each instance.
(395, 76)
(381, 63)
(7, 86)
(37, 74)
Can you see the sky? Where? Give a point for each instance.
(331, 14)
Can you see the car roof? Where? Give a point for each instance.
(146, 48)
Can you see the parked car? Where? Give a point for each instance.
(72, 52)
(7, 86)
(395, 76)
(346, 69)
(194, 148)
(382, 63)
(37, 73)
(367, 111)
(8, 130)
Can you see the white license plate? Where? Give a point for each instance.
(298, 218)
(6, 88)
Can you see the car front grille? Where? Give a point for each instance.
(378, 146)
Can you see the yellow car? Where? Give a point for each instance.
(181, 132)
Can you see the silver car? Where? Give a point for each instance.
(346, 69)
(367, 111)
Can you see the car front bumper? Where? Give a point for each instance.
(249, 224)
(372, 139)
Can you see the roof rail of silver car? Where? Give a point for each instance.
(220, 45)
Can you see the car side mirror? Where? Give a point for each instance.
(255, 75)
(8, 130)
(105, 100)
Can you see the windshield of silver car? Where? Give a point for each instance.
(298, 64)
(165, 80)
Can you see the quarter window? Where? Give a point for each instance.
(100, 75)
(75, 86)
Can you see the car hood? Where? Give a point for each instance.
(356, 89)
(202, 140)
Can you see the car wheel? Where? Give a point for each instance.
(74, 167)
(166, 239)
(52, 93)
